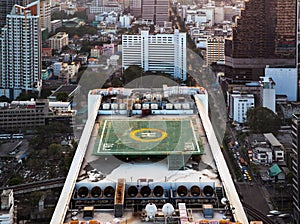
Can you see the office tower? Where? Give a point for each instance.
(45, 14)
(21, 48)
(5, 8)
(295, 167)
(162, 52)
(265, 34)
(156, 11)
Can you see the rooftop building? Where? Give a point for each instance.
(135, 160)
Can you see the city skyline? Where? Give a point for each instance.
(202, 93)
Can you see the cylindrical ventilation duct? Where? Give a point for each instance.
(145, 191)
(182, 190)
(132, 191)
(83, 192)
(158, 191)
(96, 192)
(195, 191)
(109, 192)
(208, 191)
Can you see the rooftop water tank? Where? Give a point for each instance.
(154, 106)
(168, 209)
(137, 106)
(114, 106)
(105, 106)
(122, 106)
(151, 210)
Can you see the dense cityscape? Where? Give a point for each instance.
(149, 111)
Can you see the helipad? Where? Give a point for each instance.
(147, 137)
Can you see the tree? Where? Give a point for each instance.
(132, 72)
(263, 120)
(116, 82)
(54, 150)
(45, 93)
(62, 96)
(27, 96)
(16, 179)
(4, 99)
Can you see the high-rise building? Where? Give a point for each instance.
(162, 52)
(45, 14)
(20, 43)
(259, 40)
(295, 167)
(215, 50)
(156, 11)
(5, 8)
(268, 97)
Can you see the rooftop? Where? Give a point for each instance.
(161, 157)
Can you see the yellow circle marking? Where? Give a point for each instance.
(137, 138)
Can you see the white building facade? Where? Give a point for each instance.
(268, 93)
(45, 14)
(286, 80)
(58, 41)
(20, 44)
(161, 52)
(239, 105)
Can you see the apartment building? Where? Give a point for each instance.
(238, 106)
(58, 41)
(215, 50)
(45, 14)
(21, 48)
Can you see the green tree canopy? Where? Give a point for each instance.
(4, 99)
(27, 96)
(62, 96)
(263, 120)
(132, 72)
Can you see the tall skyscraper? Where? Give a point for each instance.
(20, 43)
(45, 14)
(295, 167)
(156, 11)
(162, 52)
(5, 8)
(265, 34)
